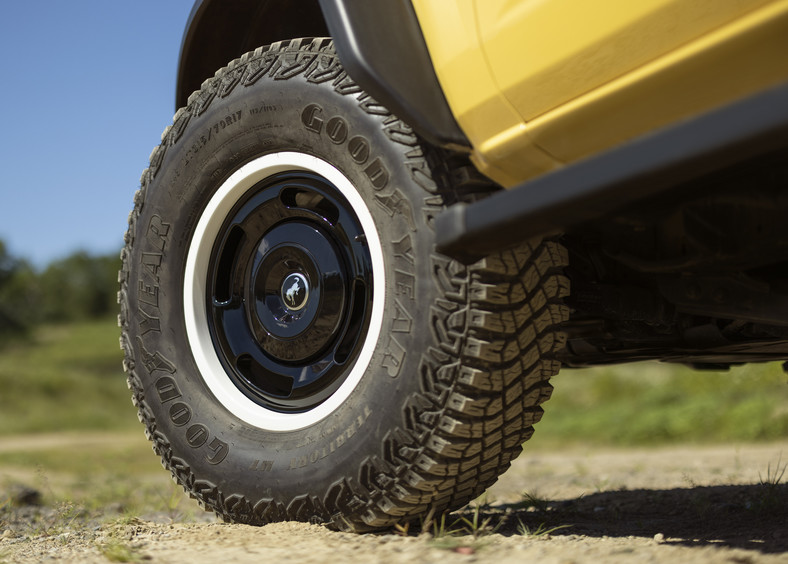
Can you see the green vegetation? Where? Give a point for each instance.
(539, 531)
(93, 480)
(653, 403)
(118, 551)
(69, 377)
(60, 369)
(65, 378)
(75, 288)
(463, 534)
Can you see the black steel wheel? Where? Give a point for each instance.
(279, 290)
(295, 347)
(289, 291)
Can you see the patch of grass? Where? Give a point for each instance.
(773, 475)
(117, 551)
(534, 502)
(773, 495)
(106, 481)
(462, 531)
(61, 520)
(531, 502)
(477, 525)
(540, 531)
(653, 403)
(65, 377)
(439, 527)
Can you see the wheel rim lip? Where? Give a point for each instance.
(195, 286)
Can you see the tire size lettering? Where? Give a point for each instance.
(227, 121)
(265, 108)
(334, 444)
(261, 466)
(212, 130)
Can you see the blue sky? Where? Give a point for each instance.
(88, 87)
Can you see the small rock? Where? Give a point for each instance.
(22, 496)
(659, 538)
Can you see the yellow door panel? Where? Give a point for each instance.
(737, 60)
(535, 84)
(544, 53)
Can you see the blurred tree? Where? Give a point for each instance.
(19, 295)
(79, 287)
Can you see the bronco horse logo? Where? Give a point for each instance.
(295, 291)
(292, 292)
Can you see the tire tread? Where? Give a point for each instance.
(482, 380)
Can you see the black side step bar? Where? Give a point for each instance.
(605, 183)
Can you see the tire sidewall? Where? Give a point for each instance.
(214, 445)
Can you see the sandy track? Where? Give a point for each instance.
(48, 441)
(688, 504)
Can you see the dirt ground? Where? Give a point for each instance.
(688, 504)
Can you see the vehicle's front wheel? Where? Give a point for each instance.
(295, 347)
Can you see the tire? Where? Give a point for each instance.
(402, 382)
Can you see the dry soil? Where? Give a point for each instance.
(688, 504)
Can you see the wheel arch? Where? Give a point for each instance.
(218, 31)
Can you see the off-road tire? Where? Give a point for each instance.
(463, 355)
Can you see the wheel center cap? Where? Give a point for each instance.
(295, 291)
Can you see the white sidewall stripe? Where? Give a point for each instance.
(194, 296)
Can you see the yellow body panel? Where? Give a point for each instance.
(544, 53)
(489, 121)
(539, 83)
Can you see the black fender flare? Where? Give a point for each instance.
(379, 43)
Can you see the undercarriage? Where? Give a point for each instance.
(698, 275)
